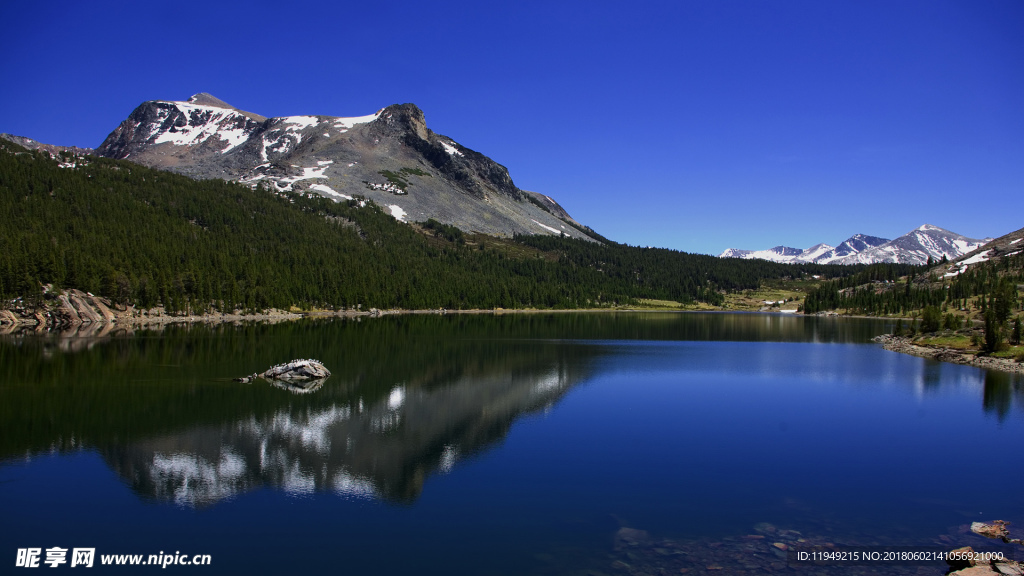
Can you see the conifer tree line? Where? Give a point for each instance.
(144, 237)
(990, 286)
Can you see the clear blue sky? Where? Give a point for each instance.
(696, 125)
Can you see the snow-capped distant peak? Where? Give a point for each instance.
(814, 252)
(775, 254)
(734, 253)
(915, 247)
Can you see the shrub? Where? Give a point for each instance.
(952, 322)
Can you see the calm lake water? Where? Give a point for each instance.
(518, 444)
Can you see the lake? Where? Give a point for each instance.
(564, 443)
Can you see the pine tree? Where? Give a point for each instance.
(993, 338)
(931, 319)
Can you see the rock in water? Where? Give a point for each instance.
(297, 370)
(626, 537)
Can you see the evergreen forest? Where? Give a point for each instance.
(146, 237)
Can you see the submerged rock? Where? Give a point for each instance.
(630, 537)
(995, 530)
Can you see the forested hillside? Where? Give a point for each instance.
(876, 291)
(145, 237)
(987, 294)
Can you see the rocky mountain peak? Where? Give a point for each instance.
(406, 118)
(205, 99)
(202, 128)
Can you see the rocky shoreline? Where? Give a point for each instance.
(74, 312)
(905, 345)
(77, 311)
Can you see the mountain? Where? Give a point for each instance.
(851, 246)
(817, 254)
(776, 254)
(914, 247)
(390, 157)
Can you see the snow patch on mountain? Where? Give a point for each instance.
(344, 124)
(329, 192)
(451, 149)
(397, 212)
(202, 123)
(548, 228)
(300, 122)
(284, 183)
(279, 144)
(964, 264)
(983, 257)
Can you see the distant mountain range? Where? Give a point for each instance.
(390, 157)
(914, 247)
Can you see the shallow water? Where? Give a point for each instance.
(516, 444)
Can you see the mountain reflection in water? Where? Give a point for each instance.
(408, 398)
(382, 448)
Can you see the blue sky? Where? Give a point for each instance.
(695, 125)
